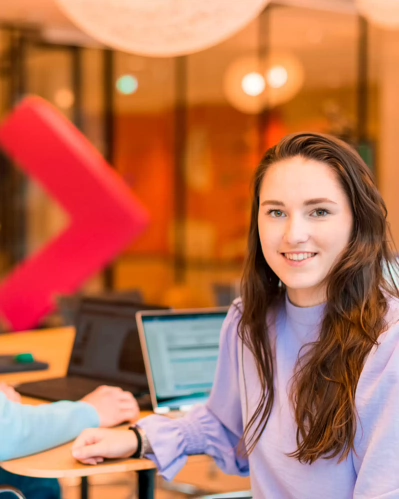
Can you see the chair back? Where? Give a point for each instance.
(12, 490)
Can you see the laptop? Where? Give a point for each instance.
(106, 351)
(68, 305)
(180, 350)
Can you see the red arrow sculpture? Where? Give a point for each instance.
(104, 215)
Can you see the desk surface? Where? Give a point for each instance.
(59, 463)
(49, 345)
(53, 346)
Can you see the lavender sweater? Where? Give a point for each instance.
(215, 429)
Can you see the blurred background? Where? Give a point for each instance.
(187, 132)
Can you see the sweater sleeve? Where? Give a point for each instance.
(26, 429)
(377, 441)
(214, 429)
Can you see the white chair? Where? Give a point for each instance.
(13, 490)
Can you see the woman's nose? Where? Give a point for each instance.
(296, 231)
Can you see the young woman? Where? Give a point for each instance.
(306, 395)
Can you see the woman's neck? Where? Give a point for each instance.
(306, 298)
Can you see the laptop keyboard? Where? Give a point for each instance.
(73, 388)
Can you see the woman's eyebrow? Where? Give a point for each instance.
(273, 202)
(309, 202)
(318, 201)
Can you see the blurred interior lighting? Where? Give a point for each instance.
(127, 84)
(383, 13)
(161, 28)
(277, 76)
(64, 98)
(253, 84)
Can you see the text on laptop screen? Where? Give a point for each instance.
(183, 352)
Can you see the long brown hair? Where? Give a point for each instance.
(325, 379)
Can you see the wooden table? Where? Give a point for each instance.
(54, 346)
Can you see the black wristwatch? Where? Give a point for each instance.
(143, 446)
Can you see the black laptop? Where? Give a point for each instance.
(106, 351)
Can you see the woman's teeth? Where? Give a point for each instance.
(298, 257)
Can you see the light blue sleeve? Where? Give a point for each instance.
(26, 429)
(213, 429)
(376, 460)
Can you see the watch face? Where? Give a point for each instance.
(146, 446)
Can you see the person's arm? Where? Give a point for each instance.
(376, 457)
(200, 432)
(26, 429)
(214, 429)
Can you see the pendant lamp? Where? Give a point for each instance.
(161, 28)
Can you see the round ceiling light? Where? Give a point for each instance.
(384, 13)
(161, 28)
(127, 84)
(277, 76)
(64, 98)
(251, 85)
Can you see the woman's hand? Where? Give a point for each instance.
(95, 444)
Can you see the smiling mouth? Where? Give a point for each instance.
(299, 257)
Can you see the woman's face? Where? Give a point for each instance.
(305, 222)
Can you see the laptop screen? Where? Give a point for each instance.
(107, 345)
(181, 350)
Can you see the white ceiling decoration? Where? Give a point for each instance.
(47, 13)
(161, 28)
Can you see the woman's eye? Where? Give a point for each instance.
(276, 213)
(320, 213)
